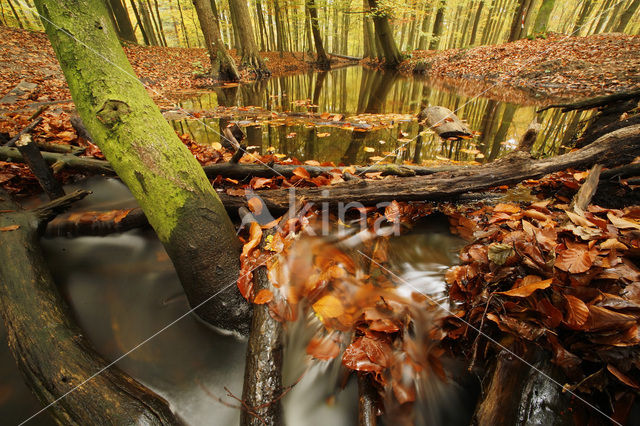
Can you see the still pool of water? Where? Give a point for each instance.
(356, 92)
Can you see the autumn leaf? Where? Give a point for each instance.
(255, 234)
(527, 290)
(499, 253)
(301, 172)
(328, 306)
(255, 205)
(9, 228)
(506, 208)
(622, 377)
(323, 348)
(367, 354)
(575, 260)
(577, 312)
(368, 149)
(263, 296)
(392, 212)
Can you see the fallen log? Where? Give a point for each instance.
(230, 170)
(616, 148)
(594, 102)
(75, 383)
(349, 58)
(444, 122)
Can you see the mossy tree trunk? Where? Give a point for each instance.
(438, 25)
(223, 66)
(248, 49)
(384, 34)
(145, 152)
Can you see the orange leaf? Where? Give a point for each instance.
(622, 377)
(324, 349)
(9, 228)
(577, 312)
(328, 306)
(506, 208)
(527, 290)
(392, 212)
(255, 234)
(263, 296)
(301, 172)
(255, 205)
(574, 260)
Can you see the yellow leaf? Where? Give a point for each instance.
(217, 146)
(368, 149)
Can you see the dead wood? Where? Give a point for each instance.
(529, 137)
(444, 122)
(39, 167)
(49, 347)
(595, 102)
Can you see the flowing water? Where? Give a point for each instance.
(123, 288)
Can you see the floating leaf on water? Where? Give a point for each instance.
(9, 228)
(369, 149)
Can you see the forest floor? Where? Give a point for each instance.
(558, 66)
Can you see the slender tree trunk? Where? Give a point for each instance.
(124, 27)
(15, 14)
(261, 26)
(626, 16)
(605, 14)
(438, 25)
(322, 60)
(145, 37)
(518, 21)
(182, 25)
(160, 26)
(222, 65)
(148, 25)
(384, 34)
(154, 22)
(426, 23)
(544, 13)
(162, 174)
(248, 49)
(476, 23)
(368, 38)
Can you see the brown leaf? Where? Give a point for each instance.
(622, 377)
(392, 212)
(367, 354)
(255, 234)
(255, 205)
(302, 173)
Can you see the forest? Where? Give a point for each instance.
(283, 212)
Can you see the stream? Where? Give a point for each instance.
(124, 291)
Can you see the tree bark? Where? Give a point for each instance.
(124, 27)
(626, 16)
(544, 13)
(322, 59)
(384, 34)
(476, 23)
(222, 65)
(437, 26)
(57, 361)
(143, 149)
(248, 49)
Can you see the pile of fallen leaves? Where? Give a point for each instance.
(555, 66)
(563, 279)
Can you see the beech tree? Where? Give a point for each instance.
(384, 35)
(162, 174)
(247, 46)
(223, 66)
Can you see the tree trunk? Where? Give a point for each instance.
(222, 65)
(161, 173)
(148, 24)
(124, 27)
(384, 34)
(322, 59)
(476, 23)
(145, 37)
(437, 26)
(56, 360)
(518, 20)
(544, 13)
(582, 17)
(369, 44)
(426, 23)
(248, 49)
(627, 15)
(15, 14)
